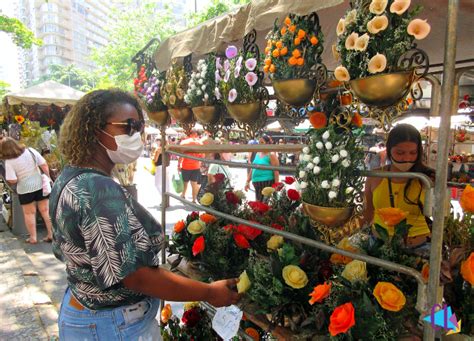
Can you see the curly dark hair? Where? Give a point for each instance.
(78, 140)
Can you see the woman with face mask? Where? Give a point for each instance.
(405, 152)
(108, 241)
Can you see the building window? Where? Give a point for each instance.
(49, 7)
(50, 18)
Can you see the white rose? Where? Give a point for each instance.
(328, 145)
(336, 183)
(316, 170)
(301, 157)
(335, 158)
(206, 97)
(325, 184)
(193, 87)
(349, 190)
(345, 163)
(302, 174)
(343, 153)
(306, 157)
(200, 81)
(199, 92)
(326, 135)
(306, 150)
(316, 160)
(309, 166)
(303, 185)
(332, 195)
(319, 145)
(203, 87)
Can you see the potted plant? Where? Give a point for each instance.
(239, 85)
(173, 91)
(372, 38)
(148, 90)
(200, 94)
(292, 54)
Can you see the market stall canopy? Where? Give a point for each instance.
(215, 34)
(46, 93)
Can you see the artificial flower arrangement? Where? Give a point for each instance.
(373, 35)
(148, 89)
(202, 84)
(174, 88)
(237, 80)
(220, 196)
(293, 48)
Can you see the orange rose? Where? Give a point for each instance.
(314, 40)
(253, 333)
(300, 61)
(467, 199)
(296, 53)
(340, 259)
(208, 218)
(318, 120)
(276, 53)
(266, 68)
(279, 44)
(292, 61)
(283, 51)
(166, 314)
(297, 41)
(357, 119)
(19, 118)
(391, 216)
(287, 21)
(179, 226)
(320, 292)
(425, 272)
(283, 31)
(467, 269)
(272, 68)
(342, 319)
(301, 34)
(389, 296)
(292, 28)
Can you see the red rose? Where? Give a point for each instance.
(191, 317)
(293, 195)
(241, 241)
(232, 198)
(289, 180)
(277, 226)
(342, 319)
(219, 177)
(278, 186)
(249, 232)
(199, 246)
(230, 227)
(325, 270)
(259, 207)
(194, 215)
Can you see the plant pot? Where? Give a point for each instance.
(245, 113)
(329, 216)
(206, 114)
(383, 90)
(159, 117)
(295, 92)
(181, 114)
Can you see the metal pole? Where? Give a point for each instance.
(442, 162)
(164, 197)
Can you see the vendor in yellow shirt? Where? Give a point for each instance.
(405, 152)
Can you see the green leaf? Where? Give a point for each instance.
(382, 232)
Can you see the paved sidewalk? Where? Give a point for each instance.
(26, 312)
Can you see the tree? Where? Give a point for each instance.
(71, 76)
(214, 9)
(130, 31)
(21, 35)
(4, 86)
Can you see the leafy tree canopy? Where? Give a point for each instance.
(71, 76)
(214, 9)
(21, 35)
(4, 88)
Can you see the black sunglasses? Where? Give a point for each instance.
(131, 125)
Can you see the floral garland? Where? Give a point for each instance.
(202, 83)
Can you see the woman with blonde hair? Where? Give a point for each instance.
(22, 167)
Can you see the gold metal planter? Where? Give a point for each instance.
(295, 92)
(329, 216)
(206, 114)
(182, 114)
(159, 117)
(245, 113)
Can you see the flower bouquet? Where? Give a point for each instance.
(173, 90)
(200, 94)
(148, 90)
(220, 196)
(328, 171)
(238, 85)
(292, 54)
(372, 38)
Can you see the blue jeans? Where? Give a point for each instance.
(132, 322)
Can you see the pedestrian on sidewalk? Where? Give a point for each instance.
(191, 169)
(110, 243)
(23, 167)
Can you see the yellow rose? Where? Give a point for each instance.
(275, 242)
(294, 276)
(244, 283)
(166, 313)
(389, 296)
(190, 305)
(196, 226)
(355, 271)
(207, 199)
(267, 191)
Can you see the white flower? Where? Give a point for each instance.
(335, 158)
(200, 81)
(301, 157)
(302, 174)
(316, 169)
(203, 87)
(332, 195)
(303, 185)
(319, 145)
(316, 160)
(306, 157)
(325, 184)
(336, 183)
(350, 17)
(199, 92)
(193, 87)
(326, 135)
(343, 153)
(345, 163)
(306, 150)
(349, 190)
(309, 166)
(206, 97)
(328, 145)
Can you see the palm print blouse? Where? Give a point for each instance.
(103, 235)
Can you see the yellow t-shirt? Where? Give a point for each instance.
(381, 199)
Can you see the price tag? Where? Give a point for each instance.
(226, 321)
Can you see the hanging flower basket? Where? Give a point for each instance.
(329, 216)
(295, 92)
(246, 112)
(159, 117)
(181, 114)
(206, 114)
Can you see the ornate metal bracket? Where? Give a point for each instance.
(187, 64)
(144, 57)
(417, 60)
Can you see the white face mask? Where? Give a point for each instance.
(129, 148)
(403, 166)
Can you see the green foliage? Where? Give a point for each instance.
(4, 89)
(70, 75)
(214, 9)
(21, 35)
(128, 33)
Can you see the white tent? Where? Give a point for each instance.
(46, 93)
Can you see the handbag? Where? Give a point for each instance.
(177, 182)
(45, 180)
